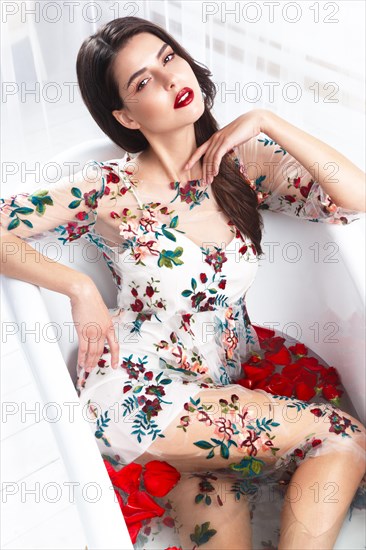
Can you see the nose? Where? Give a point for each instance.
(169, 80)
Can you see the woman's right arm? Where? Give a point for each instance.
(66, 208)
(21, 261)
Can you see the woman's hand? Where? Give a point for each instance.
(239, 131)
(94, 325)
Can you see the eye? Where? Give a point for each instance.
(139, 87)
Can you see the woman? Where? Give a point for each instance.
(159, 377)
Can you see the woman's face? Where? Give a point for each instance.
(149, 97)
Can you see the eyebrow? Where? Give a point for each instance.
(137, 73)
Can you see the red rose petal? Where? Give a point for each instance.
(160, 477)
(310, 363)
(282, 357)
(127, 479)
(263, 333)
(304, 392)
(140, 506)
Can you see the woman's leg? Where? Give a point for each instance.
(248, 431)
(226, 519)
(317, 500)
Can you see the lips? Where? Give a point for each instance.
(184, 97)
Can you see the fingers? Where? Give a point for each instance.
(83, 351)
(211, 162)
(95, 350)
(114, 348)
(90, 350)
(214, 150)
(197, 155)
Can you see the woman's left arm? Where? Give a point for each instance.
(339, 177)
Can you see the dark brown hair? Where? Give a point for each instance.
(100, 93)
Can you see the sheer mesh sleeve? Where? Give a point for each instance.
(67, 208)
(284, 185)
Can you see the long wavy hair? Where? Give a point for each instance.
(99, 91)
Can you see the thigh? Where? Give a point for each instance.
(251, 432)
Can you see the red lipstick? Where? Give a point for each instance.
(184, 97)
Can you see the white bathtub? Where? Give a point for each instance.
(310, 285)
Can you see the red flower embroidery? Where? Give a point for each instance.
(81, 216)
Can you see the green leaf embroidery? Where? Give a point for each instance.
(224, 451)
(187, 293)
(76, 192)
(22, 210)
(74, 204)
(168, 234)
(169, 257)
(14, 223)
(40, 199)
(174, 222)
(212, 290)
(202, 533)
(27, 223)
(203, 444)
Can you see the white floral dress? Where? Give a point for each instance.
(182, 271)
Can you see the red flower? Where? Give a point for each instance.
(289, 198)
(263, 333)
(316, 411)
(298, 349)
(273, 344)
(305, 189)
(203, 277)
(149, 291)
(246, 383)
(160, 478)
(282, 357)
(291, 371)
(168, 521)
(173, 548)
(140, 506)
(316, 442)
(304, 392)
(308, 378)
(331, 393)
(112, 177)
(133, 530)
(81, 216)
(127, 479)
(258, 371)
(331, 376)
(310, 363)
(137, 305)
(302, 379)
(279, 385)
